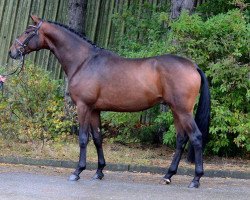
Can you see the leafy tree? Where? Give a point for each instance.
(215, 7)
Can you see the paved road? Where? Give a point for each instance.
(40, 183)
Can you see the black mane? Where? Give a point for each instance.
(83, 36)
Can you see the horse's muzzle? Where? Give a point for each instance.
(15, 55)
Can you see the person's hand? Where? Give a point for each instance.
(2, 79)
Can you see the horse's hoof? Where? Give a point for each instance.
(165, 181)
(98, 176)
(74, 177)
(194, 184)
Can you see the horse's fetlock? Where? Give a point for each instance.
(101, 165)
(81, 167)
(172, 171)
(199, 172)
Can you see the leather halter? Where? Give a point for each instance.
(27, 40)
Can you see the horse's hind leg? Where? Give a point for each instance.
(196, 140)
(190, 128)
(181, 142)
(97, 138)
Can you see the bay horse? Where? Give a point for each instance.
(100, 80)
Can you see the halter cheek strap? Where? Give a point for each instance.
(27, 40)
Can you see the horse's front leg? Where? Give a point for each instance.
(95, 125)
(83, 113)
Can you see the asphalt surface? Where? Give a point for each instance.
(21, 182)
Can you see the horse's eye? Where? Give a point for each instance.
(26, 32)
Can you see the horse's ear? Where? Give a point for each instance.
(35, 19)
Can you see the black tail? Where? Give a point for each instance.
(202, 117)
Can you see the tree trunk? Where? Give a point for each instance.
(76, 20)
(177, 6)
(77, 14)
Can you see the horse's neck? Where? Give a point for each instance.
(70, 50)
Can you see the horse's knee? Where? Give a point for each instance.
(83, 140)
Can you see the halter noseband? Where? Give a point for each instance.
(27, 40)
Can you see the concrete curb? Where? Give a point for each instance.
(122, 167)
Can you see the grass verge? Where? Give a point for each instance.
(114, 153)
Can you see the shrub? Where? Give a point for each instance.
(220, 46)
(33, 107)
(126, 128)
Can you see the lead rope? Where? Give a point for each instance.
(17, 71)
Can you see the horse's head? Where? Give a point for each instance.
(30, 40)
